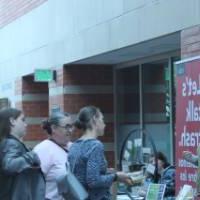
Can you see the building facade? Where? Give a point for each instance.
(117, 55)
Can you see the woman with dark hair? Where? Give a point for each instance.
(54, 150)
(20, 174)
(86, 156)
(167, 174)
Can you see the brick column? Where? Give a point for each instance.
(32, 99)
(56, 96)
(190, 42)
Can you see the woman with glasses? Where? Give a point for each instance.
(54, 150)
(86, 156)
(20, 175)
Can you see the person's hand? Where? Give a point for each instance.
(187, 155)
(142, 192)
(128, 181)
(124, 178)
(111, 170)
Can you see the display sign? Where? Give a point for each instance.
(187, 120)
(44, 75)
(155, 191)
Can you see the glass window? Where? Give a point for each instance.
(128, 102)
(144, 94)
(156, 103)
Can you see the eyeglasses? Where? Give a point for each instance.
(67, 126)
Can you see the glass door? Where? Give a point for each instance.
(127, 103)
(156, 104)
(144, 94)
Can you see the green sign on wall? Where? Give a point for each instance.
(44, 75)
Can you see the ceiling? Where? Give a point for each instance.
(164, 44)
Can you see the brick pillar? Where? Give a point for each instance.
(92, 85)
(82, 85)
(190, 42)
(56, 97)
(18, 92)
(32, 99)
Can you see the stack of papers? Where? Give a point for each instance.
(136, 177)
(185, 193)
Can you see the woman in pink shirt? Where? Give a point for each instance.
(54, 150)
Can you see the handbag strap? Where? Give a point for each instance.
(52, 140)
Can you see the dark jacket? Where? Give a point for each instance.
(20, 175)
(168, 178)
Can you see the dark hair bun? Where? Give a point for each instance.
(79, 124)
(46, 126)
(85, 116)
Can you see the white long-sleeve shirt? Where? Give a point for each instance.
(53, 159)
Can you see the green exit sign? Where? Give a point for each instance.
(44, 75)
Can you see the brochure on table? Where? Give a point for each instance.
(155, 191)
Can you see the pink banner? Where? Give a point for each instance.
(187, 120)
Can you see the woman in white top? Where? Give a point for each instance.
(53, 151)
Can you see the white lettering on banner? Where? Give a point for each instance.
(189, 139)
(183, 176)
(190, 87)
(189, 177)
(184, 163)
(192, 112)
(184, 89)
(192, 177)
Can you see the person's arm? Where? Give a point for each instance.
(94, 177)
(168, 178)
(13, 161)
(188, 156)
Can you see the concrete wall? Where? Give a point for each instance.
(63, 31)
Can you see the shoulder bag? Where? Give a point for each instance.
(70, 187)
